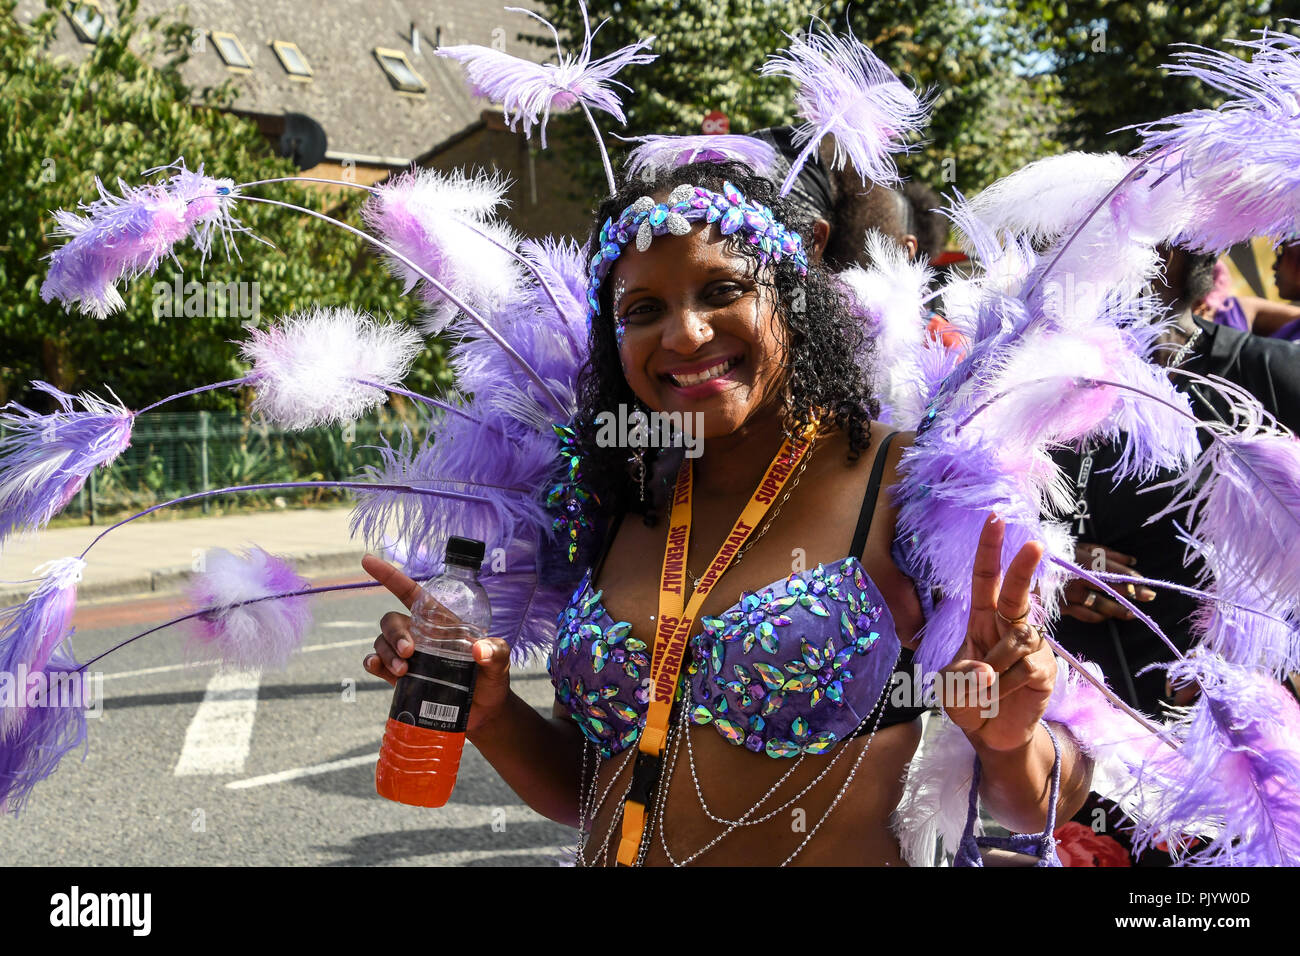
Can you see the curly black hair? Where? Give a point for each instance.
(826, 345)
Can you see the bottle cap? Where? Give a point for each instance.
(466, 552)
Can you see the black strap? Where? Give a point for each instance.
(869, 500)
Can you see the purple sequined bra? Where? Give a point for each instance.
(790, 669)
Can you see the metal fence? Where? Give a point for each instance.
(173, 454)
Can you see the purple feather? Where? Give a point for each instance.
(1243, 501)
(564, 268)
(556, 350)
(951, 481)
(1117, 744)
(1236, 776)
(526, 598)
(29, 632)
(443, 223)
(661, 153)
(45, 459)
(1237, 628)
(530, 91)
(41, 736)
(122, 237)
(847, 92)
(1240, 163)
(254, 636)
(510, 465)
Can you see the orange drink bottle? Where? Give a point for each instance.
(425, 734)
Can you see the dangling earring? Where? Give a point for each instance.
(638, 456)
(638, 459)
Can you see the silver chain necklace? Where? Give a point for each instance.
(588, 809)
(661, 798)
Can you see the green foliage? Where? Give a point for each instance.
(989, 117)
(121, 109)
(1107, 56)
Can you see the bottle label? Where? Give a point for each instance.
(435, 692)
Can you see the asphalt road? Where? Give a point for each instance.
(189, 767)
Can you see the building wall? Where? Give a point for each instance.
(541, 187)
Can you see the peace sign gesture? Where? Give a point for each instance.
(1004, 659)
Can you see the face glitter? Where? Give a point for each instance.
(620, 321)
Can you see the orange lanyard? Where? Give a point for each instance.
(677, 617)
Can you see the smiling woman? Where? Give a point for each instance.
(690, 725)
(692, 303)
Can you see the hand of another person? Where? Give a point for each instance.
(395, 644)
(1081, 601)
(997, 687)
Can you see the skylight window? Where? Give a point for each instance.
(87, 20)
(292, 59)
(400, 72)
(232, 51)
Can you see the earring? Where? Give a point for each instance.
(638, 461)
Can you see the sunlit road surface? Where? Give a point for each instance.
(191, 766)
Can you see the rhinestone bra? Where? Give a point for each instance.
(790, 669)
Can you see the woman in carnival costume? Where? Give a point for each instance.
(692, 726)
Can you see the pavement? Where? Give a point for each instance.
(158, 557)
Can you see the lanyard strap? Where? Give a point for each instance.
(677, 617)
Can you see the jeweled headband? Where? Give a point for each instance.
(729, 209)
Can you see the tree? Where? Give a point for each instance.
(122, 109)
(1107, 56)
(990, 116)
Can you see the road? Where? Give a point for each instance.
(188, 766)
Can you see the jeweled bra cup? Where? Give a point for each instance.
(790, 669)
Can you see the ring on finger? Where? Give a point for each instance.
(1008, 621)
(1091, 599)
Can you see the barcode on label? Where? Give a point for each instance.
(432, 711)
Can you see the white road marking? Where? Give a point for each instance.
(163, 669)
(298, 772)
(463, 857)
(218, 737)
(355, 642)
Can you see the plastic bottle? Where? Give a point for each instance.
(425, 734)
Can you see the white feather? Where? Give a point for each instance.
(890, 298)
(1047, 198)
(932, 814)
(257, 635)
(307, 368)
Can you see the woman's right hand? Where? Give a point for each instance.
(395, 644)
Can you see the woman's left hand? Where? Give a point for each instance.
(1004, 659)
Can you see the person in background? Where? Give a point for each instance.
(1279, 320)
(844, 212)
(859, 210)
(1110, 523)
(929, 225)
(842, 209)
